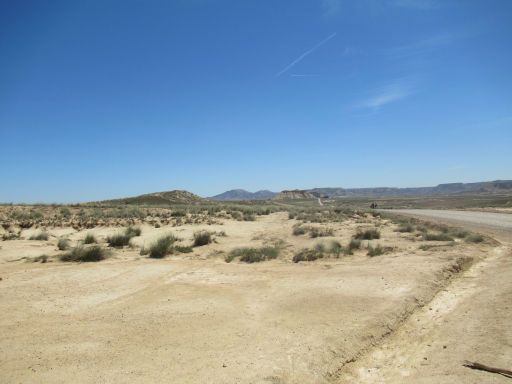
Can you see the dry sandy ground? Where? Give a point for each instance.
(470, 320)
(198, 319)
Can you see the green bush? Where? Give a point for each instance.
(118, 240)
(315, 232)
(475, 238)
(202, 238)
(183, 249)
(368, 234)
(90, 239)
(378, 250)
(85, 254)
(162, 247)
(405, 228)
(133, 231)
(440, 236)
(354, 244)
(63, 244)
(298, 230)
(307, 255)
(253, 255)
(39, 236)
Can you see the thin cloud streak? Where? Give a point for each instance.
(304, 55)
(397, 90)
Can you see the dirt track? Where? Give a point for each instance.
(469, 320)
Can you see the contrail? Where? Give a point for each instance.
(301, 57)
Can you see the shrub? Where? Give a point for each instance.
(474, 238)
(354, 244)
(253, 255)
(368, 234)
(133, 231)
(162, 247)
(307, 255)
(183, 249)
(85, 254)
(90, 239)
(298, 230)
(63, 244)
(315, 232)
(459, 233)
(40, 259)
(249, 217)
(202, 238)
(118, 241)
(39, 236)
(405, 228)
(430, 236)
(378, 250)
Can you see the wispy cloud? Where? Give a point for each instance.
(396, 90)
(304, 55)
(416, 4)
(303, 75)
(423, 46)
(331, 7)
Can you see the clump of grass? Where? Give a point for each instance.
(39, 236)
(133, 231)
(459, 233)
(354, 244)
(40, 259)
(307, 255)
(162, 247)
(183, 249)
(405, 228)
(119, 240)
(474, 238)
(315, 232)
(85, 254)
(90, 239)
(426, 247)
(299, 230)
(378, 250)
(440, 236)
(368, 234)
(253, 255)
(202, 238)
(63, 244)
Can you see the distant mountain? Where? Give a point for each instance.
(296, 194)
(497, 186)
(160, 198)
(242, 194)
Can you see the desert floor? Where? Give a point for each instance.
(194, 318)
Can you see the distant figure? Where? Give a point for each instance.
(373, 205)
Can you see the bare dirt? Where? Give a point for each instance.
(469, 320)
(194, 318)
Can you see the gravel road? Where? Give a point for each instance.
(499, 224)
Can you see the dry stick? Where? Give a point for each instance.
(482, 367)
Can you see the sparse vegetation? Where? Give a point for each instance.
(474, 238)
(253, 255)
(367, 234)
(162, 247)
(314, 232)
(119, 240)
(133, 231)
(90, 239)
(39, 236)
(405, 228)
(63, 244)
(202, 238)
(307, 255)
(440, 236)
(183, 249)
(85, 254)
(354, 244)
(378, 250)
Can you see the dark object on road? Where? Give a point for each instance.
(482, 367)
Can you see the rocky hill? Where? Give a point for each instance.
(160, 198)
(498, 186)
(296, 194)
(242, 194)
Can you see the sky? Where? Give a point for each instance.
(105, 99)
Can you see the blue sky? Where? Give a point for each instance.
(103, 99)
